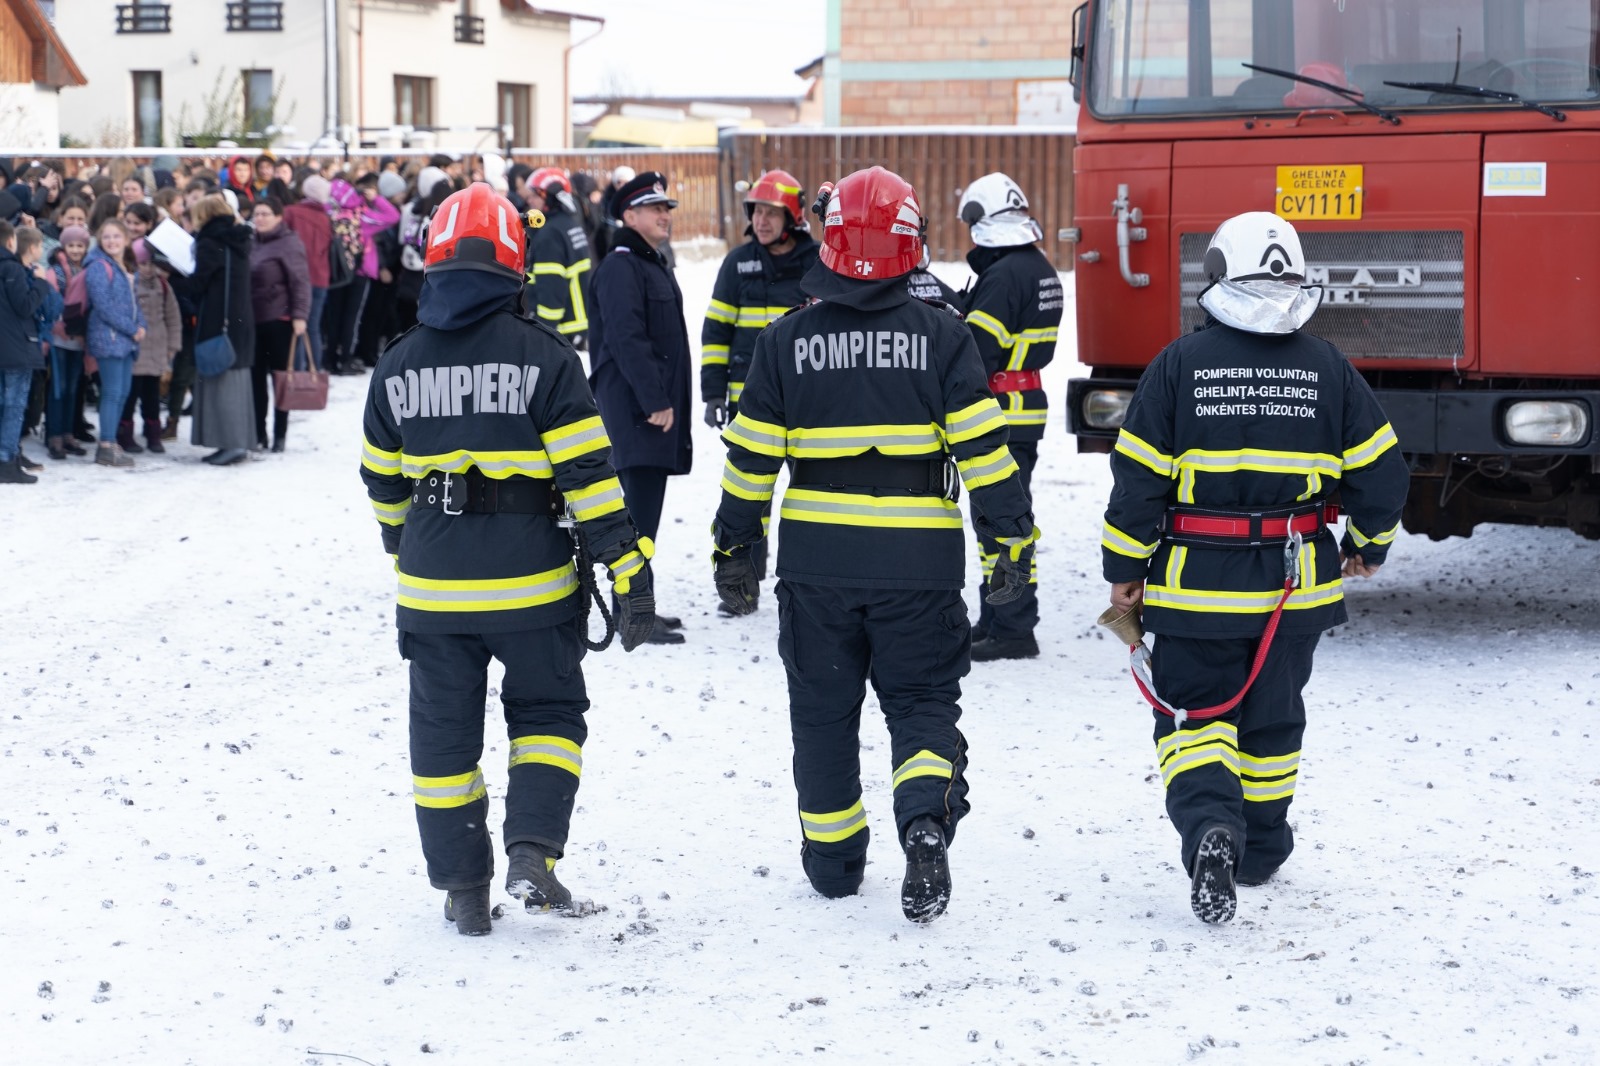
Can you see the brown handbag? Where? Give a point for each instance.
(300, 390)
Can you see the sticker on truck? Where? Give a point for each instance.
(1513, 179)
(1319, 192)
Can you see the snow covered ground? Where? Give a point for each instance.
(209, 853)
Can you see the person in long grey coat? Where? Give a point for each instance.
(224, 411)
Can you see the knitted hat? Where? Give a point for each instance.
(75, 233)
(315, 188)
(141, 251)
(390, 185)
(427, 178)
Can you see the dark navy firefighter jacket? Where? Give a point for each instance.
(753, 290)
(868, 369)
(487, 389)
(1014, 309)
(1235, 421)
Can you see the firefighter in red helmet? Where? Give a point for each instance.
(558, 256)
(757, 283)
(479, 431)
(880, 405)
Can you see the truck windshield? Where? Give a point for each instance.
(1186, 57)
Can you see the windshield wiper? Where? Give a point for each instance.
(1353, 95)
(1451, 88)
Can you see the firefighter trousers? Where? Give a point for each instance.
(1237, 770)
(1016, 619)
(758, 550)
(544, 700)
(914, 646)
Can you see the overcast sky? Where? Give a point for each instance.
(695, 47)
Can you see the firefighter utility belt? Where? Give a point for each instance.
(472, 493)
(933, 475)
(1208, 528)
(1015, 381)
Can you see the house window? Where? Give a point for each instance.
(258, 101)
(142, 18)
(516, 112)
(255, 16)
(413, 101)
(147, 108)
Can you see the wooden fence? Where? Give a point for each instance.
(693, 177)
(938, 164)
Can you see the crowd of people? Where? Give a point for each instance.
(308, 263)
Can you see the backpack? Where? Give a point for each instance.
(75, 309)
(344, 251)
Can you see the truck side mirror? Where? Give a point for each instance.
(1080, 20)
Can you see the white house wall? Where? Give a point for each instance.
(419, 40)
(28, 116)
(189, 59)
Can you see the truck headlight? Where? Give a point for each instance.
(1106, 408)
(1548, 423)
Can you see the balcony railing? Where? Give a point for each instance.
(255, 16)
(144, 18)
(469, 29)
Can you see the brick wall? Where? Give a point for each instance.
(945, 31)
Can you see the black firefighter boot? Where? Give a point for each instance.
(925, 892)
(531, 877)
(1211, 892)
(469, 909)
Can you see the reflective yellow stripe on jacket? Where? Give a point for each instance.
(392, 514)
(857, 509)
(974, 421)
(534, 463)
(491, 594)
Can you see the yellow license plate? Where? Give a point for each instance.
(1320, 192)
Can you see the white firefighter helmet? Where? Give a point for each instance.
(994, 207)
(1255, 275)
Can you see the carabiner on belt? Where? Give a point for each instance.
(1291, 560)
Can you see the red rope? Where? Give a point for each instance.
(1255, 668)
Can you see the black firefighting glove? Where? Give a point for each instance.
(716, 413)
(737, 584)
(634, 588)
(1013, 568)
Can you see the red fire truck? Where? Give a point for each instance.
(1441, 161)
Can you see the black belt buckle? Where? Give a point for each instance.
(1255, 529)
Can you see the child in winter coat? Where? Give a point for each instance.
(163, 337)
(66, 353)
(116, 327)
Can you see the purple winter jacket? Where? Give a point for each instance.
(345, 202)
(280, 281)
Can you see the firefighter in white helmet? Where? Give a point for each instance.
(1237, 439)
(1014, 312)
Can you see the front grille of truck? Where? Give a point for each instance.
(1391, 294)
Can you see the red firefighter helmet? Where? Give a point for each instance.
(543, 178)
(475, 229)
(872, 226)
(779, 188)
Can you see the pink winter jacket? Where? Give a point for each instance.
(345, 202)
